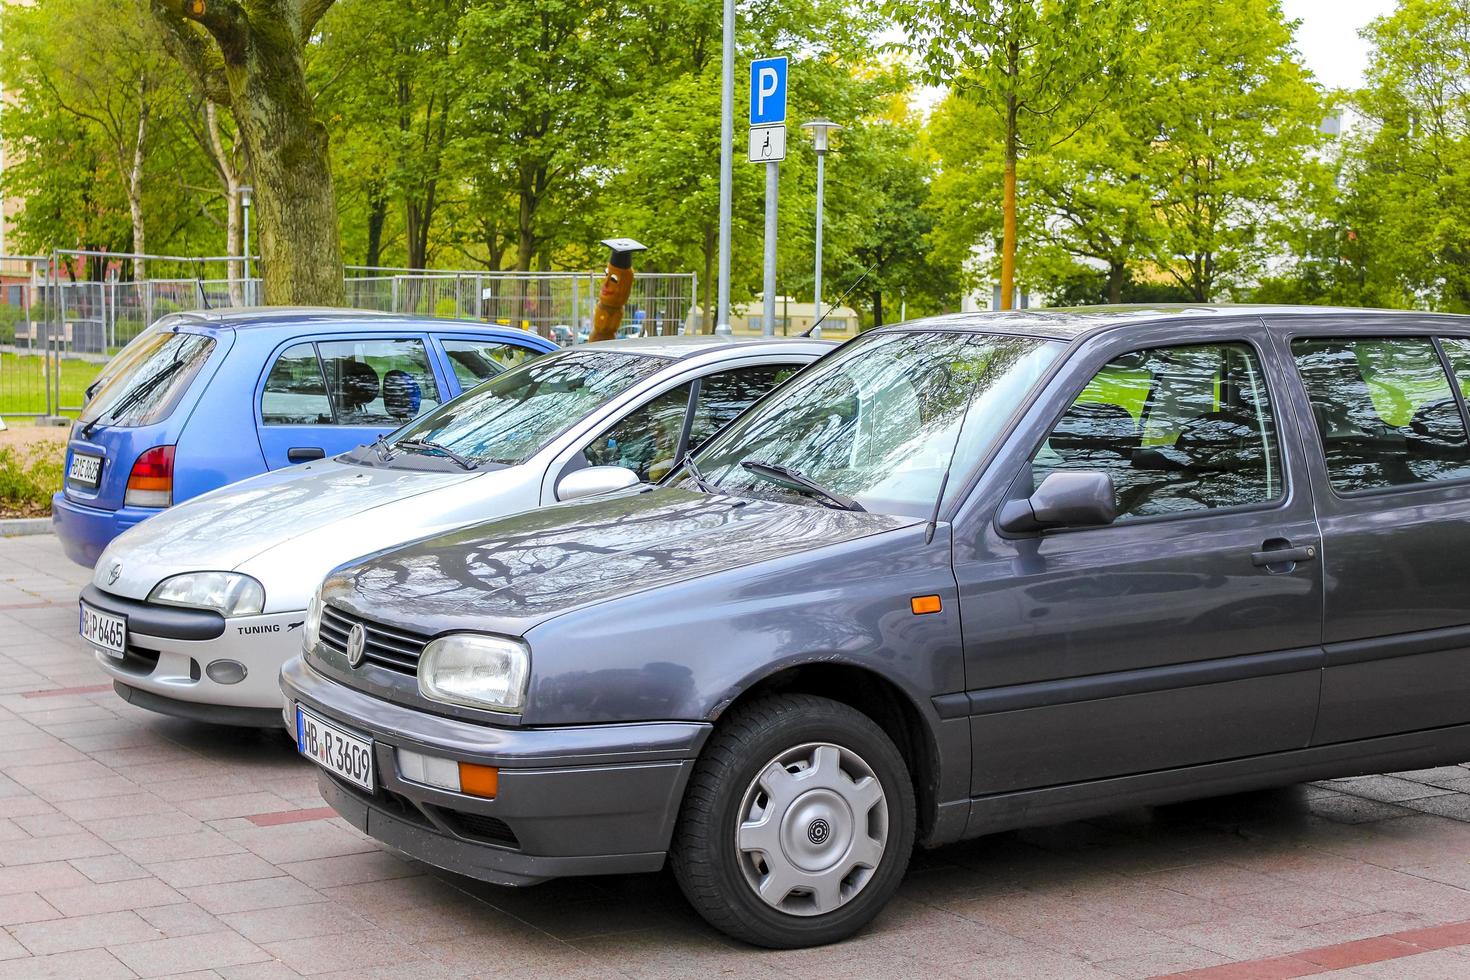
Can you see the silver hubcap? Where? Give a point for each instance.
(813, 826)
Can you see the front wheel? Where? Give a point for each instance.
(797, 825)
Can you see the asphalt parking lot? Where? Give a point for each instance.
(136, 845)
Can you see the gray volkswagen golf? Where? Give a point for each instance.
(961, 575)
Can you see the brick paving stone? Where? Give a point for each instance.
(207, 951)
(111, 897)
(83, 932)
(91, 964)
(257, 893)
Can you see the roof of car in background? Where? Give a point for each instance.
(1070, 324)
(687, 346)
(246, 317)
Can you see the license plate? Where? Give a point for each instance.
(105, 631)
(85, 470)
(334, 750)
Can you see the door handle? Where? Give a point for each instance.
(1282, 556)
(303, 454)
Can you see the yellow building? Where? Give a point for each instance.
(792, 319)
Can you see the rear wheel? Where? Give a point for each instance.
(798, 823)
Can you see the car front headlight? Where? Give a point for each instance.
(313, 629)
(476, 671)
(228, 593)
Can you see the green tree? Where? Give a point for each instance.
(1040, 67)
(1235, 123)
(251, 56)
(1405, 217)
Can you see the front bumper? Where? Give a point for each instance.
(595, 799)
(171, 650)
(85, 531)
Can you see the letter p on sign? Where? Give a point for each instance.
(768, 91)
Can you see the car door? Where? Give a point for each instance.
(324, 395)
(1170, 637)
(1392, 458)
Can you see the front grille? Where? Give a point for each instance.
(394, 649)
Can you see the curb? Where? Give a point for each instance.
(21, 526)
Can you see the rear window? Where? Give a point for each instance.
(147, 379)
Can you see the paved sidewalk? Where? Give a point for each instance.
(136, 845)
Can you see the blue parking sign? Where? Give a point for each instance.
(768, 91)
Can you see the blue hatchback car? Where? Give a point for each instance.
(202, 399)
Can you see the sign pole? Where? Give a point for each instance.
(727, 138)
(768, 146)
(768, 310)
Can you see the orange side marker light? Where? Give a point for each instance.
(479, 780)
(923, 604)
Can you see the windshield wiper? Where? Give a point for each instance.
(133, 397)
(799, 480)
(699, 478)
(427, 446)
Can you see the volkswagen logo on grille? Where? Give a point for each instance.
(819, 831)
(356, 641)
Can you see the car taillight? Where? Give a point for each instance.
(151, 483)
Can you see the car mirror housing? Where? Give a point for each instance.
(592, 480)
(1081, 498)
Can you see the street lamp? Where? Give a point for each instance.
(245, 192)
(820, 129)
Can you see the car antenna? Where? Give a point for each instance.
(203, 299)
(840, 300)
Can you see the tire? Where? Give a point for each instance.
(740, 809)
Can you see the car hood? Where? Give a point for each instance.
(223, 529)
(507, 575)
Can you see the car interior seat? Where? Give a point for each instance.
(357, 385)
(401, 394)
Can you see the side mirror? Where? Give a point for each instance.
(1082, 498)
(592, 480)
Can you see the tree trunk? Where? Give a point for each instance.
(877, 308)
(230, 181)
(251, 55)
(135, 187)
(377, 217)
(1117, 275)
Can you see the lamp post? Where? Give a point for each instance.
(245, 194)
(821, 129)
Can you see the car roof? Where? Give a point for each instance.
(256, 317)
(690, 345)
(1070, 324)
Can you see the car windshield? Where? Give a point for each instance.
(511, 417)
(147, 378)
(876, 424)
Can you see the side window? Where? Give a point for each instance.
(378, 381)
(476, 360)
(725, 395)
(1179, 429)
(1385, 411)
(647, 439)
(295, 393)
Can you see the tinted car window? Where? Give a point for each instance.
(725, 395)
(295, 392)
(645, 440)
(1385, 412)
(377, 381)
(147, 378)
(511, 417)
(879, 420)
(475, 360)
(1178, 429)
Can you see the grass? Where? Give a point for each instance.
(23, 384)
(30, 472)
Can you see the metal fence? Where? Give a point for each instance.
(63, 315)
